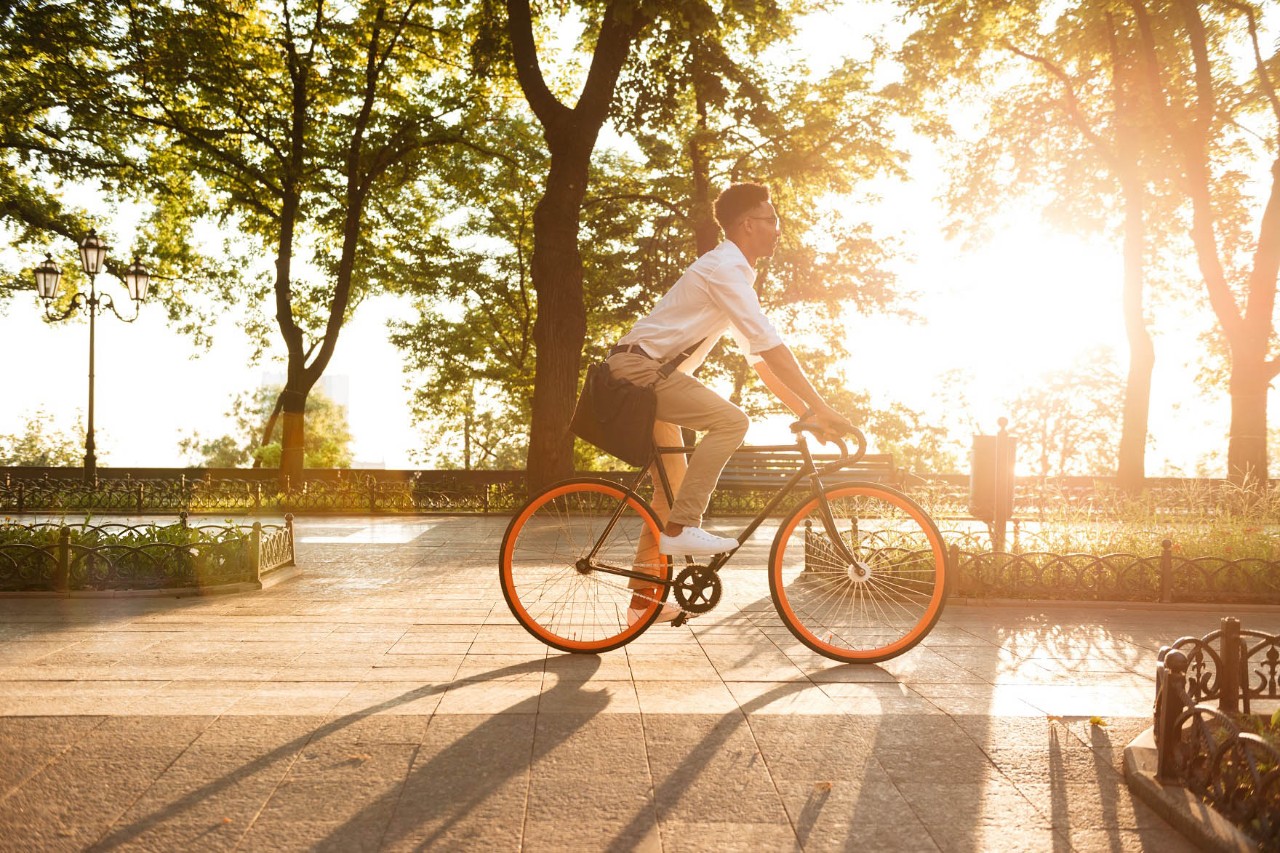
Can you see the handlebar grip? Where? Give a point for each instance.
(859, 438)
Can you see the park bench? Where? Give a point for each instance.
(766, 471)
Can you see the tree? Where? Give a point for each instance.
(469, 276)
(1065, 422)
(40, 444)
(556, 264)
(299, 127)
(52, 65)
(586, 199)
(1067, 112)
(1204, 104)
(257, 437)
(1157, 98)
(638, 227)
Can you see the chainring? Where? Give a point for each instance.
(697, 589)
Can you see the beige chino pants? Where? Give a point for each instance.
(685, 402)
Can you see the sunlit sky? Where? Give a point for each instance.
(1029, 300)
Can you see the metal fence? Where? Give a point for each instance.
(1035, 569)
(331, 492)
(65, 557)
(238, 490)
(1162, 576)
(1206, 749)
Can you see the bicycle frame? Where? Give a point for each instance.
(807, 469)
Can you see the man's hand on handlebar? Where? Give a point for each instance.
(829, 424)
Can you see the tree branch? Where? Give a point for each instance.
(1264, 77)
(1071, 103)
(1192, 148)
(653, 199)
(544, 104)
(622, 21)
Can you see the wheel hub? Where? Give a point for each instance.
(859, 572)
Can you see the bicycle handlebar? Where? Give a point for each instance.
(858, 437)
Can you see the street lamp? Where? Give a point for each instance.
(93, 257)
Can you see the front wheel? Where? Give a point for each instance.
(876, 606)
(562, 592)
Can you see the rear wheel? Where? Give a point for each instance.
(558, 590)
(883, 602)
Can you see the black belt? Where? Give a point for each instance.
(630, 348)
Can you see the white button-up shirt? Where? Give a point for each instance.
(715, 296)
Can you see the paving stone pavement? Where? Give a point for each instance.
(386, 700)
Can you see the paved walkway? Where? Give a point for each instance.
(387, 700)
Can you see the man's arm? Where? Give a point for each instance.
(779, 390)
(786, 371)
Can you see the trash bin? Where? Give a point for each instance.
(991, 477)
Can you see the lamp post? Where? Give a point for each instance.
(93, 256)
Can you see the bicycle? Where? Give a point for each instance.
(857, 571)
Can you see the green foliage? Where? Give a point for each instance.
(295, 130)
(284, 124)
(40, 444)
(698, 112)
(55, 74)
(470, 280)
(87, 536)
(1067, 422)
(326, 444)
(1201, 518)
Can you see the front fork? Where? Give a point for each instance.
(833, 532)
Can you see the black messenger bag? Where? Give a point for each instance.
(616, 415)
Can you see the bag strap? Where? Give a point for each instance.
(674, 363)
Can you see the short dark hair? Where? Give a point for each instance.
(736, 200)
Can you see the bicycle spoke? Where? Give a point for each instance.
(567, 607)
(877, 607)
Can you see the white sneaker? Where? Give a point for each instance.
(694, 541)
(669, 612)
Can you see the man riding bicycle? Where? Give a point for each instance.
(714, 296)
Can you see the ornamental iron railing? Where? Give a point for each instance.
(1205, 749)
(1163, 577)
(328, 492)
(172, 490)
(1037, 496)
(102, 557)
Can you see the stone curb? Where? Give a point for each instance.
(269, 580)
(1184, 811)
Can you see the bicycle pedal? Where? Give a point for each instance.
(679, 620)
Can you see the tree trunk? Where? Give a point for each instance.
(561, 325)
(556, 265)
(1131, 471)
(293, 401)
(1251, 369)
(1247, 445)
(1248, 333)
(294, 396)
(706, 231)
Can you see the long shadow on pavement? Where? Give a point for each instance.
(463, 787)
